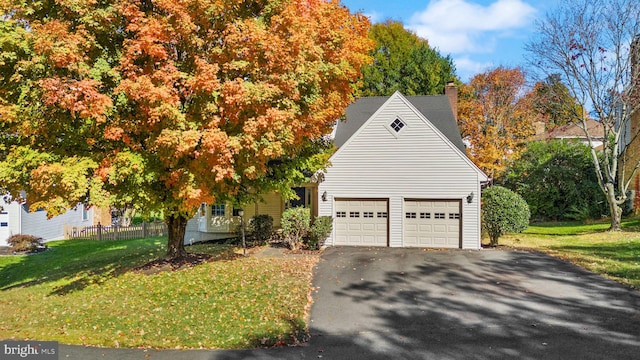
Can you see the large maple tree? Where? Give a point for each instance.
(169, 103)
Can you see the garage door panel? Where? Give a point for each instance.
(439, 241)
(365, 222)
(369, 227)
(440, 229)
(430, 223)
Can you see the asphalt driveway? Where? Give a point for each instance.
(425, 304)
(384, 303)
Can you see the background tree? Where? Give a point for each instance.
(552, 100)
(557, 180)
(495, 117)
(503, 211)
(169, 103)
(404, 62)
(589, 43)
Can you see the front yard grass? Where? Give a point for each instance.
(615, 255)
(87, 292)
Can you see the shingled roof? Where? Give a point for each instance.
(435, 108)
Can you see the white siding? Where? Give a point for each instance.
(326, 208)
(193, 234)
(395, 221)
(12, 216)
(417, 163)
(13, 210)
(36, 223)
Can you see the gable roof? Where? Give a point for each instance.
(573, 131)
(435, 108)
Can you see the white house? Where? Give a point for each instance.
(401, 177)
(16, 219)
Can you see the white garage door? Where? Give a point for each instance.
(361, 222)
(432, 223)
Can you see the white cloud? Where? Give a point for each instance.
(457, 26)
(466, 67)
(373, 16)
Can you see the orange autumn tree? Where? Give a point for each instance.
(168, 104)
(496, 117)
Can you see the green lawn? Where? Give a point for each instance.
(85, 292)
(615, 255)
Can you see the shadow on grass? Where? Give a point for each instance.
(74, 264)
(622, 260)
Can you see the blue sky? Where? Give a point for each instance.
(478, 34)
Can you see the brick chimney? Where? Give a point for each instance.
(451, 90)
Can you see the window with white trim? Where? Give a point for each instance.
(85, 213)
(218, 210)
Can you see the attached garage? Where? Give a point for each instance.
(401, 177)
(432, 223)
(361, 222)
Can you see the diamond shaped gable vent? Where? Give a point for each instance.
(397, 125)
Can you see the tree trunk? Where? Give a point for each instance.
(176, 226)
(494, 240)
(614, 209)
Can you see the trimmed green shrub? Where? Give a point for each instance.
(261, 228)
(319, 232)
(503, 211)
(25, 243)
(295, 226)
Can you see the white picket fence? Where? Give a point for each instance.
(116, 232)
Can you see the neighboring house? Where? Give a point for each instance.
(16, 219)
(573, 132)
(399, 178)
(630, 159)
(630, 154)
